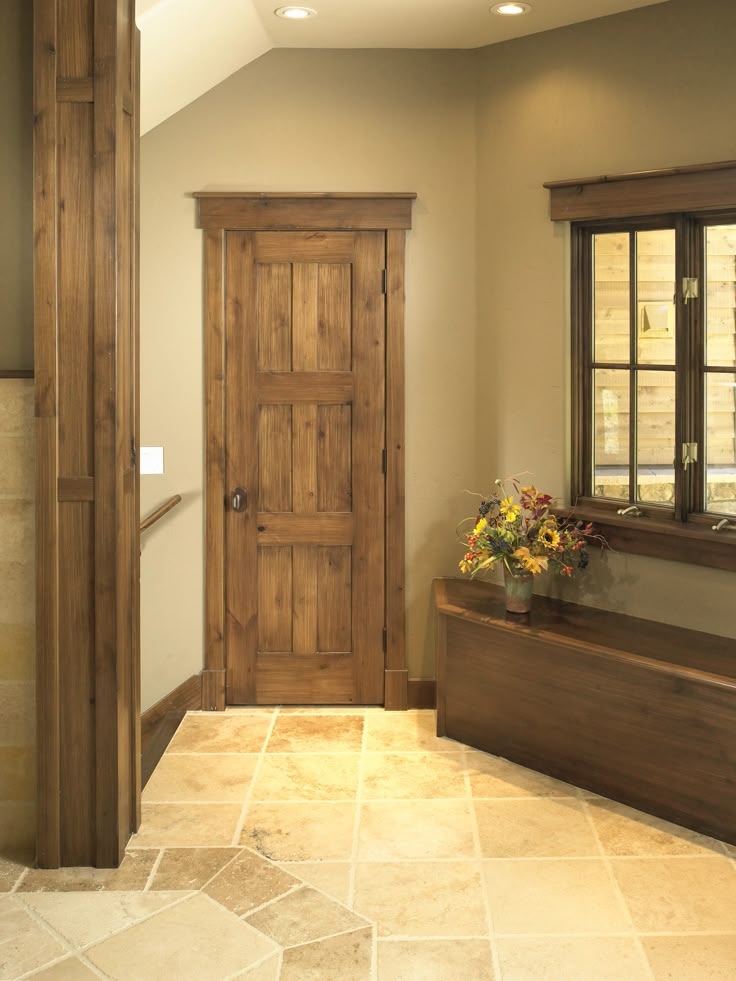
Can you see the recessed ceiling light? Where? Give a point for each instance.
(511, 9)
(295, 13)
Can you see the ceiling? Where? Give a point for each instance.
(189, 46)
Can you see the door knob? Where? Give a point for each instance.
(239, 499)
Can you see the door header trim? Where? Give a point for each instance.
(292, 211)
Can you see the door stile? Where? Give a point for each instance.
(369, 331)
(241, 467)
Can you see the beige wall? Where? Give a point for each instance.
(16, 227)
(311, 120)
(637, 91)
(17, 652)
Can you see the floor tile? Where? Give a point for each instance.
(406, 731)
(130, 877)
(680, 895)
(332, 878)
(553, 896)
(287, 832)
(86, 917)
(345, 958)
(391, 830)
(190, 868)
(420, 899)
(11, 869)
(267, 971)
(71, 969)
(434, 960)
(218, 733)
(248, 882)
(304, 916)
(307, 777)
(571, 959)
(191, 824)
(492, 776)
(330, 709)
(625, 831)
(24, 944)
(554, 827)
(214, 777)
(392, 776)
(316, 734)
(196, 939)
(692, 958)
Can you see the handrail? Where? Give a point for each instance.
(154, 516)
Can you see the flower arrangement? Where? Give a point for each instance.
(525, 536)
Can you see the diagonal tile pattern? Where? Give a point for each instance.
(351, 844)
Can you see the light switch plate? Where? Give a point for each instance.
(152, 459)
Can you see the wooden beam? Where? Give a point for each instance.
(312, 212)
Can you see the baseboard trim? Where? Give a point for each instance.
(422, 693)
(160, 722)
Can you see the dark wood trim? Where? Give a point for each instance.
(16, 373)
(310, 212)
(309, 195)
(136, 764)
(422, 693)
(48, 817)
(160, 722)
(214, 684)
(76, 489)
(395, 696)
(156, 515)
(706, 187)
(75, 90)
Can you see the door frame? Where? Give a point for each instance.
(218, 213)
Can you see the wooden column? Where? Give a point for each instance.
(86, 340)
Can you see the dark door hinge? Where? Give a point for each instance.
(384, 281)
(385, 640)
(384, 460)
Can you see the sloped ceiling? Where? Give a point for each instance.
(189, 46)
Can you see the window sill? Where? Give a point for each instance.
(664, 538)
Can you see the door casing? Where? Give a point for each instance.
(222, 212)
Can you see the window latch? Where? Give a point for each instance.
(690, 287)
(689, 454)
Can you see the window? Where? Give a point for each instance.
(654, 367)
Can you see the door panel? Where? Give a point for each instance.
(305, 411)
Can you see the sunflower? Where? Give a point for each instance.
(549, 537)
(482, 523)
(509, 510)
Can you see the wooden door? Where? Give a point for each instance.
(86, 85)
(305, 424)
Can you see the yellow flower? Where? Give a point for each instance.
(549, 537)
(480, 526)
(532, 563)
(509, 510)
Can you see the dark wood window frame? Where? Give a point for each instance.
(687, 199)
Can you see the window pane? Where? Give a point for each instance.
(655, 437)
(720, 471)
(611, 434)
(655, 289)
(720, 295)
(611, 311)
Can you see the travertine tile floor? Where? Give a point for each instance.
(342, 845)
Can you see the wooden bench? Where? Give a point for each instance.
(638, 711)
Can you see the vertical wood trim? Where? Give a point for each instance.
(395, 693)
(136, 745)
(48, 839)
(214, 356)
(241, 535)
(441, 670)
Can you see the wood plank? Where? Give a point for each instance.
(304, 212)
(214, 684)
(16, 373)
(275, 602)
(395, 690)
(214, 359)
(334, 458)
(75, 38)
(75, 90)
(326, 679)
(274, 316)
(304, 457)
(135, 747)
(290, 388)
(422, 693)
(242, 467)
(274, 456)
(334, 318)
(76, 489)
(334, 593)
(305, 600)
(288, 247)
(305, 529)
(368, 484)
(395, 478)
(304, 315)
